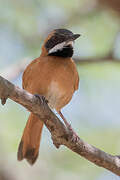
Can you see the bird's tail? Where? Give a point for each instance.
(30, 142)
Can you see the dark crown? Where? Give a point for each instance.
(59, 36)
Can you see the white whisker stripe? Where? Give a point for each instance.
(57, 47)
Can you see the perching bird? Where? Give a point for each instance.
(53, 75)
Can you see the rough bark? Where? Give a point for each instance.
(59, 133)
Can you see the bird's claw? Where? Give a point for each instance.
(41, 98)
(74, 136)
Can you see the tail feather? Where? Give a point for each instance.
(30, 142)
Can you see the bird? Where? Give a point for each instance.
(53, 75)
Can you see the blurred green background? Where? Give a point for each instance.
(95, 108)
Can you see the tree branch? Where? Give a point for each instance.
(59, 133)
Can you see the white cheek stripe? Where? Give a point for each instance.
(70, 43)
(57, 47)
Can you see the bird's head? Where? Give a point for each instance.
(60, 43)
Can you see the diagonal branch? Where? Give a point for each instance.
(60, 135)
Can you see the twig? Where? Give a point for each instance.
(60, 135)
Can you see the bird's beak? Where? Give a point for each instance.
(75, 36)
(72, 38)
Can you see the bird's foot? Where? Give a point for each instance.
(73, 134)
(41, 98)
